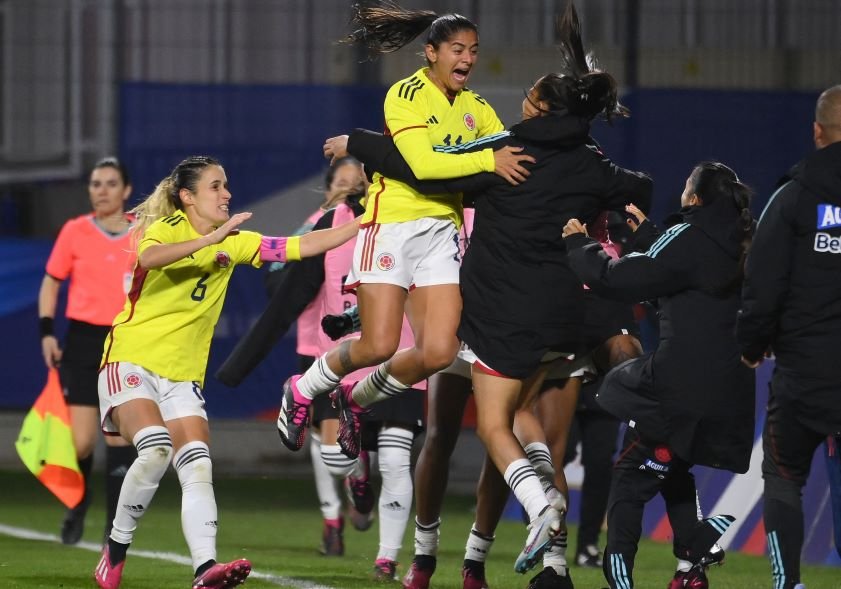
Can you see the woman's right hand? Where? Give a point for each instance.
(51, 351)
(638, 215)
(508, 164)
(335, 148)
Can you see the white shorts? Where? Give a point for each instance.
(413, 254)
(462, 364)
(120, 382)
(466, 358)
(581, 367)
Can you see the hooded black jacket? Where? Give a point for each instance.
(792, 292)
(521, 298)
(692, 392)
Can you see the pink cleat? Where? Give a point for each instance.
(473, 578)
(417, 578)
(106, 574)
(223, 575)
(350, 423)
(294, 416)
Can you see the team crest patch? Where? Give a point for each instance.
(386, 262)
(132, 380)
(223, 260)
(662, 454)
(469, 122)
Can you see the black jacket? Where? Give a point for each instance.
(516, 282)
(792, 292)
(291, 289)
(692, 392)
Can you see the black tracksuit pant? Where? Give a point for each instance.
(788, 446)
(642, 471)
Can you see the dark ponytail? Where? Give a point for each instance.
(387, 27)
(718, 185)
(581, 89)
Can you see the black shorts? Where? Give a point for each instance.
(406, 410)
(79, 368)
(605, 318)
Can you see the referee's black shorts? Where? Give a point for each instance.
(80, 360)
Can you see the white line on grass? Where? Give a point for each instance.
(25, 534)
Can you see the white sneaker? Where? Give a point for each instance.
(541, 531)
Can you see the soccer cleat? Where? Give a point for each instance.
(590, 557)
(350, 424)
(385, 571)
(294, 416)
(541, 531)
(549, 578)
(473, 576)
(106, 574)
(332, 540)
(223, 575)
(417, 578)
(360, 493)
(691, 579)
(73, 525)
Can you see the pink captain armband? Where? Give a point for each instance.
(280, 249)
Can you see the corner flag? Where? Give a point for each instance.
(45, 444)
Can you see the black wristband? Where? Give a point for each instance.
(45, 326)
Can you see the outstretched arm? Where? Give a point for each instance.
(158, 255)
(298, 247)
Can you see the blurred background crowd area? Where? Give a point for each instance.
(260, 83)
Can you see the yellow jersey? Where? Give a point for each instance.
(419, 117)
(169, 315)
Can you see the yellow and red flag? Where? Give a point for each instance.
(45, 444)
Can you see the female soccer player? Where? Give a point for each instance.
(94, 252)
(407, 254)
(692, 400)
(156, 354)
(315, 285)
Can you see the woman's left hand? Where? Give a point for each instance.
(574, 226)
(336, 148)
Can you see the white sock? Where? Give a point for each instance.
(337, 463)
(426, 538)
(478, 545)
(556, 553)
(154, 451)
(394, 446)
(198, 503)
(325, 484)
(683, 566)
(541, 460)
(377, 386)
(318, 379)
(522, 479)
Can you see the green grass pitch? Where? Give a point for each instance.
(276, 524)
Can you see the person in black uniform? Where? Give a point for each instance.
(691, 401)
(792, 307)
(521, 299)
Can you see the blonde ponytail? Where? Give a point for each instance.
(161, 203)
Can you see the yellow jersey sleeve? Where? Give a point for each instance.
(405, 119)
(245, 248)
